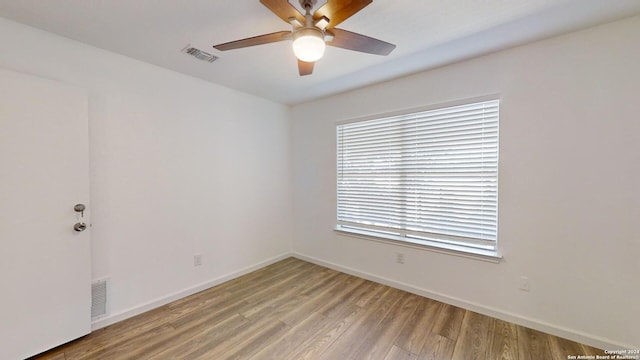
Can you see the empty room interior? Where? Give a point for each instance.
(413, 180)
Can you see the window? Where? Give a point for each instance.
(427, 178)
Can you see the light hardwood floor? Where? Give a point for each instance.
(297, 310)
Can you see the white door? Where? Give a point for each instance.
(45, 273)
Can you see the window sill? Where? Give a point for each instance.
(471, 253)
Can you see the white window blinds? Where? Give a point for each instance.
(429, 176)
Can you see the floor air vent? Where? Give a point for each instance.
(199, 54)
(98, 299)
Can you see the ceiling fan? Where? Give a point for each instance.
(312, 31)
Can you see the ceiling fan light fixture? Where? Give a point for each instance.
(311, 31)
(308, 44)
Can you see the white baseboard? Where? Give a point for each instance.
(137, 310)
(595, 341)
(578, 336)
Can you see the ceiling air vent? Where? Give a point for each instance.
(199, 54)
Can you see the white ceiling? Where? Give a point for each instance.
(428, 33)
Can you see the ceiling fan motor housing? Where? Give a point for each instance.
(308, 31)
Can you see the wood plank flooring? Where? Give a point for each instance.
(297, 310)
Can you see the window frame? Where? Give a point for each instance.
(407, 238)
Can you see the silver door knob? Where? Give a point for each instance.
(80, 227)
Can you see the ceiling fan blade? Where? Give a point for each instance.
(338, 11)
(256, 40)
(283, 9)
(357, 42)
(305, 68)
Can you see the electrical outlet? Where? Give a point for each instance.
(197, 260)
(400, 258)
(524, 283)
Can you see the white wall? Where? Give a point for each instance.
(569, 202)
(179, 167)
